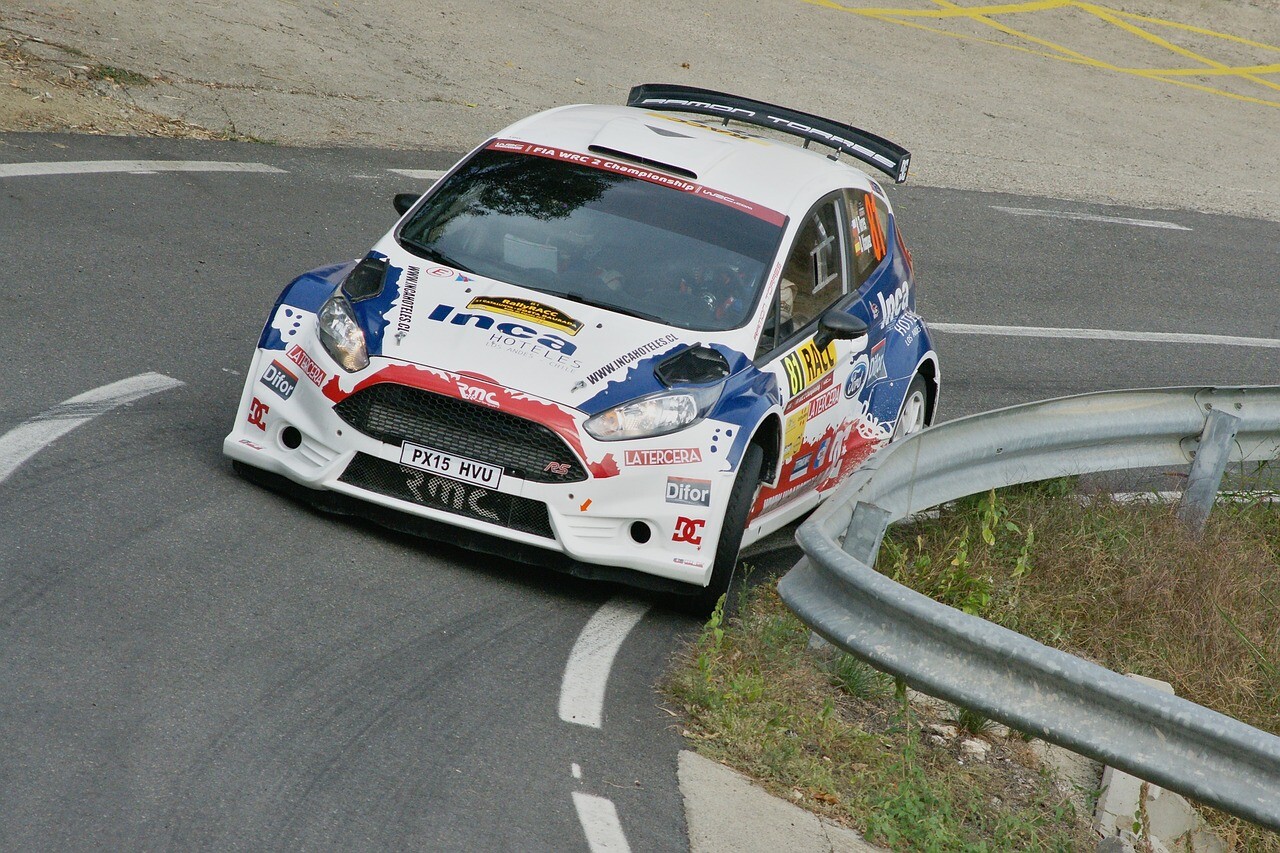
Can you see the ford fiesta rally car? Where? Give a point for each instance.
(622, 341)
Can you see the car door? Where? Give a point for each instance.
(857, 434)
(815, 276)
(872, 279)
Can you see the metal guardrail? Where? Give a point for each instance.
(966, 660)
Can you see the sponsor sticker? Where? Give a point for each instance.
(527, 309)
(807, 364)
(313, 371)
(447, 465)
(514, 338)
(408, 295)
(664, 456)
(278, 378)
(894, 304)
(257, 411)
(857, 377)
(877, 362)
(823, 401)
(682, 490)
(443, 272)
(627, 357)
(794, 436)
(476, 394)
(821, 455)
(800, 465)
(451, 495)
(908, 325)
(688, 530)
(801, 400)
(632, 171)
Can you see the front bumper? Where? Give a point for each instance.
(641, 509)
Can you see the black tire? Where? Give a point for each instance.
(704, 601)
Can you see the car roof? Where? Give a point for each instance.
(774, 173)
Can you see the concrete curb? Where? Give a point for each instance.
(1163, 820)
(726, 811)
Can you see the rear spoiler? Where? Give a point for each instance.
(875, 151)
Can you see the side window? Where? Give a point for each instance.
(867, 218)
(813, 276)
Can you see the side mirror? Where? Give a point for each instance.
(836, 325)
(404, 201)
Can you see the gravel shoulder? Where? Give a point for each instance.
(1036, 102)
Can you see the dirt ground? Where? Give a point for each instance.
(1153, 103)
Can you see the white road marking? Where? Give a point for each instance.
(1106, 335)
(575, 770)
(1090, 217)
(29, 438)
(599, 821)
(420, 174)
(136, 167)
(587, 673)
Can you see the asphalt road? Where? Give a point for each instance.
(187, 660)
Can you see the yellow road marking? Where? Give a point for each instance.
(1105, 15)
(1126, 22)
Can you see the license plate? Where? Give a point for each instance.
(448, 465)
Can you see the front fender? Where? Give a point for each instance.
(306, 293)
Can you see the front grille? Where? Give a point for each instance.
(396, 413)
(410, 484)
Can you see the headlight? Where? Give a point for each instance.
(341, 335)
(655, 415)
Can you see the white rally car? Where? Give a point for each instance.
(622, 341)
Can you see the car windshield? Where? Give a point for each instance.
(678, 254)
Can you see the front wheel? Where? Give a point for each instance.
(743, 495)
(915, 406)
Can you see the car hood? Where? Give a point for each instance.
(577, 355)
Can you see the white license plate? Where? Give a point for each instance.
(448, 465)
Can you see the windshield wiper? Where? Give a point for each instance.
(434, 254)
(608, 306)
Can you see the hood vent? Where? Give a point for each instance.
(644, 161)
(697, 365)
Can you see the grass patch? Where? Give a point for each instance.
(1119, 584)
(836, 736)
(122, 76)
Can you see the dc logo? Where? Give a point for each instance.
(257, 409)
(688, 530)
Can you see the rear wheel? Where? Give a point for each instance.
(743, 495)
(915, 407)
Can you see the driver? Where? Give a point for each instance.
(720, 290)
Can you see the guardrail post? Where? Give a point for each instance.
(865, 532)
(1207, 469)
